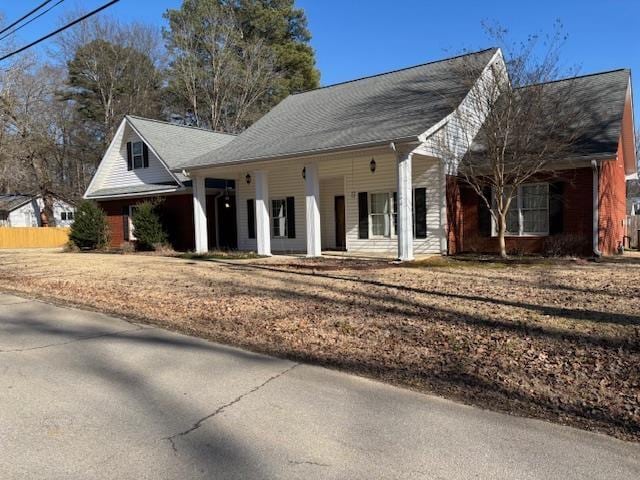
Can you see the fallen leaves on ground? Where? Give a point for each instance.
(559, 341)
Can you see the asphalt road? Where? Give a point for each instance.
(84, 395)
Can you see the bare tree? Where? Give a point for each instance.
(114, 69)
(516, 125)
(216, 73)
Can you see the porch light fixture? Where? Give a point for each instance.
(248, 178)
(304, 173)
(372, 165)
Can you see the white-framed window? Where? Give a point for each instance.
(279, 217)
(382, 215)
(528, 213)
(66, 215)
(137, 155)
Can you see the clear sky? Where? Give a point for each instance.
(357, 38)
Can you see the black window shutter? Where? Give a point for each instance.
(484, 214)
(125, 222)
(420, 209)
(145, 155)
(363, 215)
(395, 211)
(251, 217)
(291, 217)
(129, 157)
(556, 208)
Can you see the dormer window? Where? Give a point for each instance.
(137, 155)
(136, 150)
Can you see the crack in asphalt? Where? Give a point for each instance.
(222, 408)
(307, 462)
(77, 339)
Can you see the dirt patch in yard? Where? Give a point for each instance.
(558, 341)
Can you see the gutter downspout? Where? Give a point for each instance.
(596, 208)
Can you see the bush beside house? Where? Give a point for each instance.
(147, 227)
(90, 230)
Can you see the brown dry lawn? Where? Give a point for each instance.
(553, 340)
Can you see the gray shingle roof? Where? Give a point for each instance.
(177, 144)
(10, 202)
(595, 103)
(391, 106)
(133, 189)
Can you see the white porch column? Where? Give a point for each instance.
(312, 183)
(263, 227)
(405, 207)
(444, 226)
(200, 214)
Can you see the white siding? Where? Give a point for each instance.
(113, 171)
(329, 189)
(28, 215)
(285, 180)
(345, 174)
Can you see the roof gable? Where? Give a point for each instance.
(397, 105)
(176, 144)
(168, 144)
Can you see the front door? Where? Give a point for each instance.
(340, 223)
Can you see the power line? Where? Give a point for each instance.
(31, 20)
(68, 25)
(25, 16)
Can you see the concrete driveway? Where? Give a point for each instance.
(84, 395)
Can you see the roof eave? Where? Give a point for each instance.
(135, 194)
(303, 154)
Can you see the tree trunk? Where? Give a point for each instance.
(502, 227)
(48, 220)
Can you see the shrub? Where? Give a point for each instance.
(90, 229)
(565, 245)
(147, 226)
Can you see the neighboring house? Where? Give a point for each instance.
(25, 211)
(140, 164)
(352, 167)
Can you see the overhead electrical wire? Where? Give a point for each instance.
(30, 20)
(25, 16)
(61, 29)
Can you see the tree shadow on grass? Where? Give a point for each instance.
(568, 313)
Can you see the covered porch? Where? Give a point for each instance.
(375, 202)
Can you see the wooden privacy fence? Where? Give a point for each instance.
(33, 237)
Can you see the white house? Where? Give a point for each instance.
(349, 166)
(25, 211)
(357, 167)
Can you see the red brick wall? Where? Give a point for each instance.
(464, 234)
(613, 204)
(177, 213)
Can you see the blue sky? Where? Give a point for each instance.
(355, 38)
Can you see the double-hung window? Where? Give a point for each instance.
(383, 214)
(66, 216)
(529, 211)
(137, 155)
(279, 217)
